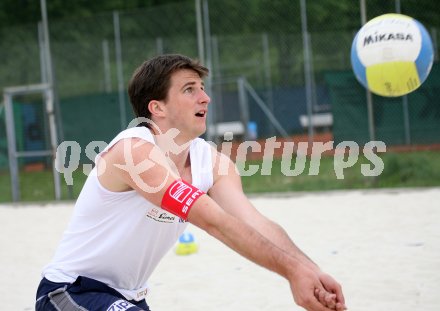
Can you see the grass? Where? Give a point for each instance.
(415, 169)
(39, 186)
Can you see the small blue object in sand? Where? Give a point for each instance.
(186, 237)
(186, 245)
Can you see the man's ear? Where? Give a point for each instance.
(156, 108)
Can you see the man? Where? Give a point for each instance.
(147, 184)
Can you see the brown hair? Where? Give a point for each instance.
(151, 80)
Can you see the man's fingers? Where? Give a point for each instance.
(317, 293)
(325, 298)
(340, 307)
(330, 300)
(340, 296)
(322, 294)
(340, 299)
(316, 305)
(333, 287)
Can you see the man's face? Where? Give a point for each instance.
(186, 104)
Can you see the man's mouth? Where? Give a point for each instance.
(201, 114)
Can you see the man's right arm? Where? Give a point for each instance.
(143, 167)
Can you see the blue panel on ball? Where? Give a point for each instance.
(426, 56)
(186, 237)
(358, 68)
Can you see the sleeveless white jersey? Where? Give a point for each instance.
(118, 238)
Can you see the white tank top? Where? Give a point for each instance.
(118, 238)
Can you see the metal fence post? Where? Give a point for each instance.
(200, 40)
(371, 126)
(406, 125)
(211, 120)
(119, 68)
(13, 164)
(49, 99)
(244, 107)
(106, 60)
(268, 75)
(307, 68)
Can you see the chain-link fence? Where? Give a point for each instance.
(295, 63)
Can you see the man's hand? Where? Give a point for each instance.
(316, 291)
(332, 295)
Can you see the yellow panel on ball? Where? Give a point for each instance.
(393, 78)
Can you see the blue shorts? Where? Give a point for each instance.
(84, 294)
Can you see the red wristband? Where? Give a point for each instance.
(179, 198)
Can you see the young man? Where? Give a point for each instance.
(147, 184)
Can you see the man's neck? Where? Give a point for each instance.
(175, 146)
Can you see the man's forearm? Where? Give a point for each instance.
(277, 235)
(244, 239)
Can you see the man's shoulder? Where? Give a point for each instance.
(129, 138)
(137, 131)
(133, 132)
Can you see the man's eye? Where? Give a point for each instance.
(188, 90)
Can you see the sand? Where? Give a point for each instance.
(383, 246)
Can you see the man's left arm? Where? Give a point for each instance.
(227, 191)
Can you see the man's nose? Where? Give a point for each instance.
(205, 99)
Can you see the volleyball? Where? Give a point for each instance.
(392, 55)
(186, 245)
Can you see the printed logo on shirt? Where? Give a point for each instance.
(120, 305)
(142, 294)
(161, 216)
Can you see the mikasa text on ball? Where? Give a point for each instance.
(392, 55)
